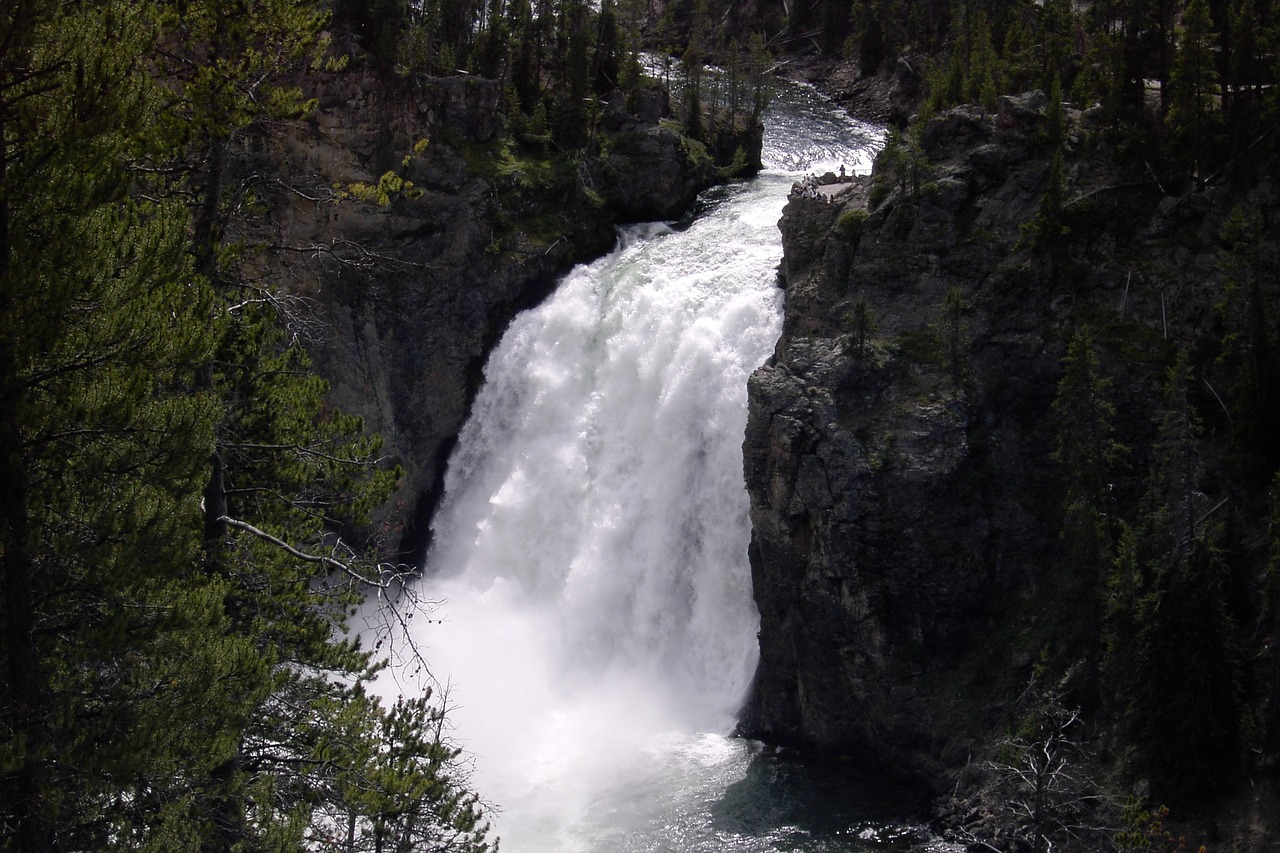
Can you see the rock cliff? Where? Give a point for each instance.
(907, 555)
(409, 230)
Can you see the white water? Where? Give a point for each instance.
(591, 551)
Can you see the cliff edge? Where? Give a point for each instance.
(913, 558)
(409, 227)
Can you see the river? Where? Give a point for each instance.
(598, 633)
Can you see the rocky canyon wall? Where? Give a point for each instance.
(908, 554)
(407, 229)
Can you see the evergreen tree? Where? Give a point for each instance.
(1020, 57)
(378, 26)
(290, 481)
(693, 78)
(608, 59)
(176, 496)
(1170, 601)
(570, 115)
(1057, 30)
(1087, 453)
(1248, 347)
(980, 86)
(492, 43)
(953, 331)
(761, 76)
(860, 319)
(1190, 705)
(108, 637)
(1143, 50)
(1249, 43)
(1193, 87)
(874, 46)
(525, 75)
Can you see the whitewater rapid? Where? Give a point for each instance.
(597, 630)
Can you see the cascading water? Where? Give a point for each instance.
(591, 551)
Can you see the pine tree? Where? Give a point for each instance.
(1248, 347)
(759, 76)
(953, 332)
(1171, 602)
(569, 120)
(1142, 52)
(492, 43)
(1020, 57)
(694, 72)
(177, 496)
(109, 638)
(1087, 454)
(980, 85)
(1193, 86)
(525, 74)
(607, 62)
(378, 27)
(873, 50)
(1057, 27)
(290, 482)
(1190, 704)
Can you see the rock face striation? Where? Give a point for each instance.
(400, 289)
(906, 509)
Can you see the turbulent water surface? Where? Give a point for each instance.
(590, 555)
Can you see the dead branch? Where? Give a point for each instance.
(389, 576)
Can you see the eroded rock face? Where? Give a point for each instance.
(650, 173)
(904, 500)
(400, 298)
(867, 552)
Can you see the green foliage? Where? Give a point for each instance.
(1193, 85)
(1088, 454)
(970, 70)
(176, 497)
(953, 331)
(1020, 57)
(1248, 350)
(1057, 31)
(104, 437)
(691, 62)
(874, 39)
(901, 161)
(1145, 830)
(395, 781)
(735, 168)
(980, 87)
(1047, 232)
(390, 186)
(1173, 652)
(860, 320)
(849, 224)
(1190, 703)
(947, 83)
(379, 26)
(920, 345)
(607, 54)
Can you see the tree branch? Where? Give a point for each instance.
(388, 576)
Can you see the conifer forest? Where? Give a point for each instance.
(188, 525)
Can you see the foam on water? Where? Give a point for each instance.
(590, 554)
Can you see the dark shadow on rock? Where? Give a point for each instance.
(811, 804)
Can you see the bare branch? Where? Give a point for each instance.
(389, 576)
(350, 254)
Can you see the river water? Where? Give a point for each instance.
(598, 633)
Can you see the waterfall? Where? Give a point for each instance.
(590, 554)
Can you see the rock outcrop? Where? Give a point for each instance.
(401, 289)
(906, 509)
